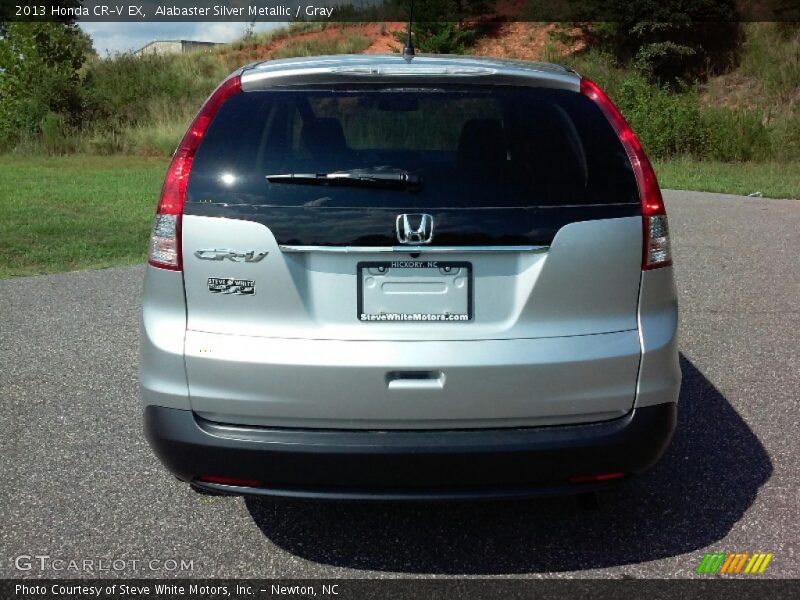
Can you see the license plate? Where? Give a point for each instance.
(405, 291)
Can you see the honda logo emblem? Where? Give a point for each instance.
(414, 228)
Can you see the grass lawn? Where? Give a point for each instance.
(75, 212)
(773, 180)
(81, 212)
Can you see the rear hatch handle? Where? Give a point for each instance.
(415, 380)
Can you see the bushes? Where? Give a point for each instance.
(54, 135)
(445, 26)
(772, 55)
(670, 125)
(141, 105)
(736, 135)
(667, 124)
(670, 41)
(127, 87)
(786, 139)
(443, 37)
(39, 80)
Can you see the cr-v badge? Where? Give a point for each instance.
(414, 228)
(248, 256)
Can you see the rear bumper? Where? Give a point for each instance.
(338, 384)
(359, 464)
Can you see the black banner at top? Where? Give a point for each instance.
(397, 10)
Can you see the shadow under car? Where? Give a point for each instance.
(706, 480)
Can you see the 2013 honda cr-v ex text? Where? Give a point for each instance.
(393, 277)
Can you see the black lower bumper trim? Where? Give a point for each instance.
(408, 464)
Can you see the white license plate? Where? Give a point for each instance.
(415, 291)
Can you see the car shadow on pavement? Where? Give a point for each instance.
(705, 482)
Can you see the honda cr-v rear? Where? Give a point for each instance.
(387, 277)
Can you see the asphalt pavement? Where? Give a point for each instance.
(80, 482)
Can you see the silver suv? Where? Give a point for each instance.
(384, 277)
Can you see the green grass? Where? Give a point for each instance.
(80, 212)
(76, 212)
(773, 180)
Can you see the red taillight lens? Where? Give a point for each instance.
(656, 251)
(165, 241)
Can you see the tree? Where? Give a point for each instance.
(667, 40)
(39, 65)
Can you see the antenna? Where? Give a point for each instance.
(408, 49)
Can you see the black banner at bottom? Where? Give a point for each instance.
(388, 589)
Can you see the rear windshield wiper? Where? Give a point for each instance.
(379, 177)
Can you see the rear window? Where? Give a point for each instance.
(476, 147)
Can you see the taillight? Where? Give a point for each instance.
(656, 251)
(165, 241)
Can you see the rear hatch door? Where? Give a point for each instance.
(415, 214)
